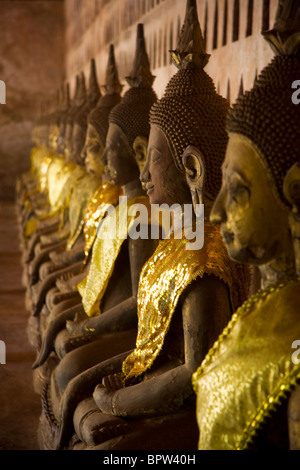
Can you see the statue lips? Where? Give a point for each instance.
(228, 237)
(149, 188)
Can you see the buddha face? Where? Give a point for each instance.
(68, 141)
(92, 151)
(53, 136)
(118, 158)
(61, 138)
(164, 183)
(78, 138)
(254, 226)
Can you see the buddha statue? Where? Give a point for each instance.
(109, 290)
(248, 384)
(76, 172)
(78, 187)
(33, 195)
(86, 209)
(185, 295)
(46, 221)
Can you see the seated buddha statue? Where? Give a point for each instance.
(84, 222)
(54, 178)
(88, 205)
(109, 290)
(32, 195)
(74, 172)
(185, 295)
(248, 385)
(29, 186)
(78, 186)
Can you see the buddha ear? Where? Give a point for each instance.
(291, 190)
(140, 145)
(193, 163)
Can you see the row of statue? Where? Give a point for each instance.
(143, 344)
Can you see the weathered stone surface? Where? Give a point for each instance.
(20, 407)
(32, 67)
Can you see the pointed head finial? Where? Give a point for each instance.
(81, 97)
(67, 95)
(112, 83)
(141, 75)
(284, 38)
(76, 90)
(94, 92)
(190, 52)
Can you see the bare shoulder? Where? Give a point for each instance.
(294, 418)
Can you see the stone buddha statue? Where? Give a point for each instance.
(96, 131)
(248, 385)
(88, 204)
(185, 295)
(78, 188)
(45, 220)
(109, 290)
(76, 173)
(33, 196)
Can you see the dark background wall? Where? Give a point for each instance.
(32, 67)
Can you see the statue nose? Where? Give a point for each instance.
(104, 158)
(218, 214)
(145, 176)
(83, 154)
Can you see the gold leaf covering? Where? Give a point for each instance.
(249, 370)
(163, 279)
(81, 196)
(105, 251)
(104, 196)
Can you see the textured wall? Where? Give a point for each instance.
(231, 27)
(32, 66)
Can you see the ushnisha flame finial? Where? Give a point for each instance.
(94, 92)
(190, 52)
(140, 75)
(81, 96)
(112, 82)
(284, 38)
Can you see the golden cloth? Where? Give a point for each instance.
(249, 370)
(61, 180)
(58, 173)
(104, 196)
(113, 231)
(36, 177)
(74, 174)
(79, 201)
(163, 279)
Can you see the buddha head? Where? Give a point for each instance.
(81, 116)
(78, 102)
(64, 118)
(129, 120)
(255, 200)
(57, 116)
(188, 132)
(97, 121)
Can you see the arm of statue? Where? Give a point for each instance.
(123, 315)
(205, 311)
(294, 419)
